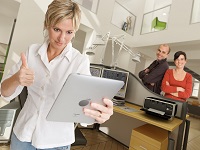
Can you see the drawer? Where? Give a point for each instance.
(149, 137)
(139, 144)
(130, 148)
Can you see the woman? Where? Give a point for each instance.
(177, 84)
(44, 69)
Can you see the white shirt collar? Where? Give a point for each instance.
(67, 52)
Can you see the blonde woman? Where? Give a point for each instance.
(43, 68)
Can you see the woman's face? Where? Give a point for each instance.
(180, 61)
(61, 34)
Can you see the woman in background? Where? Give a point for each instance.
(177, 84)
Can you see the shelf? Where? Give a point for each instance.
(91, 5)
(123, 19)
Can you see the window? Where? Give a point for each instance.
(195, 88)
(195, 11)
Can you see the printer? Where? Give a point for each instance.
(160, 107)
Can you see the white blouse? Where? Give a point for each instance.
(31, 124)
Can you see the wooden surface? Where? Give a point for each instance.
(149, 137)
(169, 125)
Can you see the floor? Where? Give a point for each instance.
(99, 141)
(194, 134)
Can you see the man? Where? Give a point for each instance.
(152, 76)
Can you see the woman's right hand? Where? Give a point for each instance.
(180, 89)
(25, 75)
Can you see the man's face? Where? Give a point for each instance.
(162, 52)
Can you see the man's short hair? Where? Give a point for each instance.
(166, 45)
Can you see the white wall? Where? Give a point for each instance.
(78, 40)
(101, 23)
(43, 5)
(196, 12)
(155, 4)
(28, 30)
(5, 28)
(179, 27)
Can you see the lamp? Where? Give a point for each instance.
(135, 57)
(103, 40)
(99, 41)
(114, 38)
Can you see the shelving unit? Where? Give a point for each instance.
(123, 18)
(161, 14)
(195, 16)
(91, 5)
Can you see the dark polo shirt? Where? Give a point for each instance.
(155, 75)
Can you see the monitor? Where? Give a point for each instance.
(117, 75)
(95, 71)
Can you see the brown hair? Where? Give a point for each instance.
(177, 54)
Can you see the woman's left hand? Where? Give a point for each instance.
(100, 113)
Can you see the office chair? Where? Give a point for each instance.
(158, 25)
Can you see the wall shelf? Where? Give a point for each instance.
(162, 14)
(123, 18)
(195, 16)
(91, 5)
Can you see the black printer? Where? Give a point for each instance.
(160, 107)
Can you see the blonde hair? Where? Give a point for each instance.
(62, 9)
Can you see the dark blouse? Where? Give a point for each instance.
(155, 75)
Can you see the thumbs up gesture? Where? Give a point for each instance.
(24, 62)
(25, 75)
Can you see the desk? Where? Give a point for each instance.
(122, 123)
(169, 125)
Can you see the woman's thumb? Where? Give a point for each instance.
(24, 61)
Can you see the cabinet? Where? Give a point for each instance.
(149, 137)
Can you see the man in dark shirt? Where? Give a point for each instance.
(152, 76)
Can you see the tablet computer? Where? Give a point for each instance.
(78, 92)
